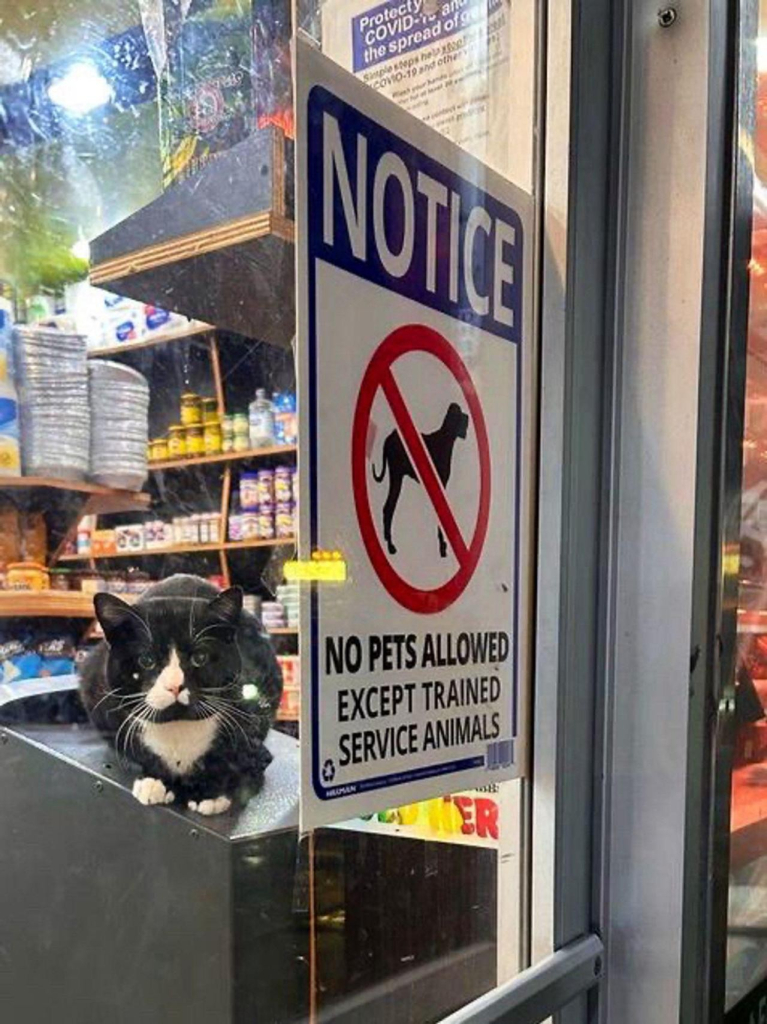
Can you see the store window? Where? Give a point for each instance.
(149, 481)
(747, 922)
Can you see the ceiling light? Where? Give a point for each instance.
(81, 89)
(81, 249)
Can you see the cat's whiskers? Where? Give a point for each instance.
(226, 717)
(134, 718)
(213, 713)
(109, 693)
(225, 710)
(144, 715)
(128, 699)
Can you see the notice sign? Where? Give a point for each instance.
(415, 362)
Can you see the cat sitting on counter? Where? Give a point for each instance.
(186, 685)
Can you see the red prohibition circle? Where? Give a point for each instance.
(417, 338)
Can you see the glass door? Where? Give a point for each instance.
(147, 158)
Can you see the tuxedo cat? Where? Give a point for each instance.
(186, 685)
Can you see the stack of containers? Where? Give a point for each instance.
(52, 384)
(119, 424)
(288, 596)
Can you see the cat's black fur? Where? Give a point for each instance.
(189, 615)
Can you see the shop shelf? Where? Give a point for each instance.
(161, 338)
(58, 603)
(102, 500)
(284, 631)
(217, 247)
(211, 460)
(187, 549)
(283, 716)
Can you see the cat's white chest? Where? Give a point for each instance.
(180, 744)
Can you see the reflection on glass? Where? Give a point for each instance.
(189, 466)
(747, 924)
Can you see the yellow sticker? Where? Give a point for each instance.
(322, 570)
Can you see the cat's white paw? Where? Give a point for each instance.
(152, 791)
(218, 805)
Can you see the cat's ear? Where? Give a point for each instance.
(225, 609)
(117, 617)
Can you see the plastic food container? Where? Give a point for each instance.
(266, 522)
(265, 487)
(250, 525)
(283, 520)
(27, 576)
(249, 491)
(283, 484)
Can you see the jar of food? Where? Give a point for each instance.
(195, 441)
(240, 443)
(210, 410)
(241, 427)
(27, 576)
(193, 530)
(177, 441)
(214, 527)
(212, 438)
(227, 433)
(191, 409)
(118, 583)
(60, 579)
(204, 529)
(158, 450)
(283, 484)
(137, 581)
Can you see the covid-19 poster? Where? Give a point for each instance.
(446, 63)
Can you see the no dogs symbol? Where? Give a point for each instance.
(421, 453)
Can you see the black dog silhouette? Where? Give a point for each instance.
(439, 444)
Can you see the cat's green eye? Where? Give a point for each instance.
(199, 658)
(147, 662)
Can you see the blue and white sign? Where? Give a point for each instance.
(415, 402)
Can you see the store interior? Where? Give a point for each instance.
(149, 428)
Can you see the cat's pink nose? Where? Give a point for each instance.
(173, 687)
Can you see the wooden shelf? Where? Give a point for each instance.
(187, 549)
(161, 338)
(102, 500)
(283, 631)
(58, 603)
(79, 486)
(212, 460)
(217, 247)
